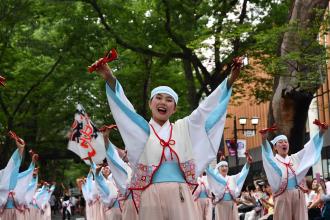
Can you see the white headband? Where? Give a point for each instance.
(277, 138)
(167, 90)
(221, 163)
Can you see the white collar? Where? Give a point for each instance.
(157, 126)
(284, 160)
(225, 177)
(162, 131)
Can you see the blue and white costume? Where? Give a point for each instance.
(286, 176)
(184, 148)
(8, 180)
(226, 189)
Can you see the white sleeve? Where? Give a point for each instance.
(31, 190)
(118, 168)
(9, 176)
(133, 128)
(216, 182)
(308, 156)
(107, 191)
(240, 179)
(206, 125)
(273, 171)
(24, 179)
(86, 189)
(40, 197)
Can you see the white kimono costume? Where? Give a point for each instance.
(48, 211)
(8, 180)
(226, 190)
(86, 191)
(94, 203)
(92, 198)
(36, 202)
(42, 201)
(24, 179)
(121, 173)
(108, 195)
(32, 210)
(286, 178)
(202, 197)
(184, 148)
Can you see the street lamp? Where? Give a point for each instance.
(251, 131)
(243, 122)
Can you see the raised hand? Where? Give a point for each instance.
(249, 159)
(102, 68)
(264, 132)
(19, 142)
(105, 129)
(221, 155)
(110, 56)
(322, 125)
(2, 81)
(235, 70)
(35, 158)
(98, 169)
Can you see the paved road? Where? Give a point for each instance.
(75, 217)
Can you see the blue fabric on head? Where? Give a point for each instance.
(167, 90)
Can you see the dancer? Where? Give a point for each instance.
(8, 180)
(121, 172)
(286, 173)
(226, 189)
(203, 196)
(32, 212)
(168, 157)
(21, 189)
(108, 192)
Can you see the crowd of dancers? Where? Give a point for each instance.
(21, 196)
(159, 175)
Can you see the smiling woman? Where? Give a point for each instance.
(162, 104)
(168, 157)
(286, 173)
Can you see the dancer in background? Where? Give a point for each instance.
(286, 173)
(226, 189)
(32, 210)
(21, 189)
(121, 173)
(203, 196)
(8, 180)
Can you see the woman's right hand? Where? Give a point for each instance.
(103, 70)
(20, 145)
(106, 73)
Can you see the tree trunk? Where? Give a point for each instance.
(290, 103)
(191, 95)
(146, 84)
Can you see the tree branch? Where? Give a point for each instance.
(3, 106)
(169, 31)
(121, 42)
(241, 18)
(198, 74)
(36, 85)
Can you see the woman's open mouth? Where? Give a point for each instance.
(162, 110)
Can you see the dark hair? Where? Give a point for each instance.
(251, 187)
(266, 183)
(309, 184)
